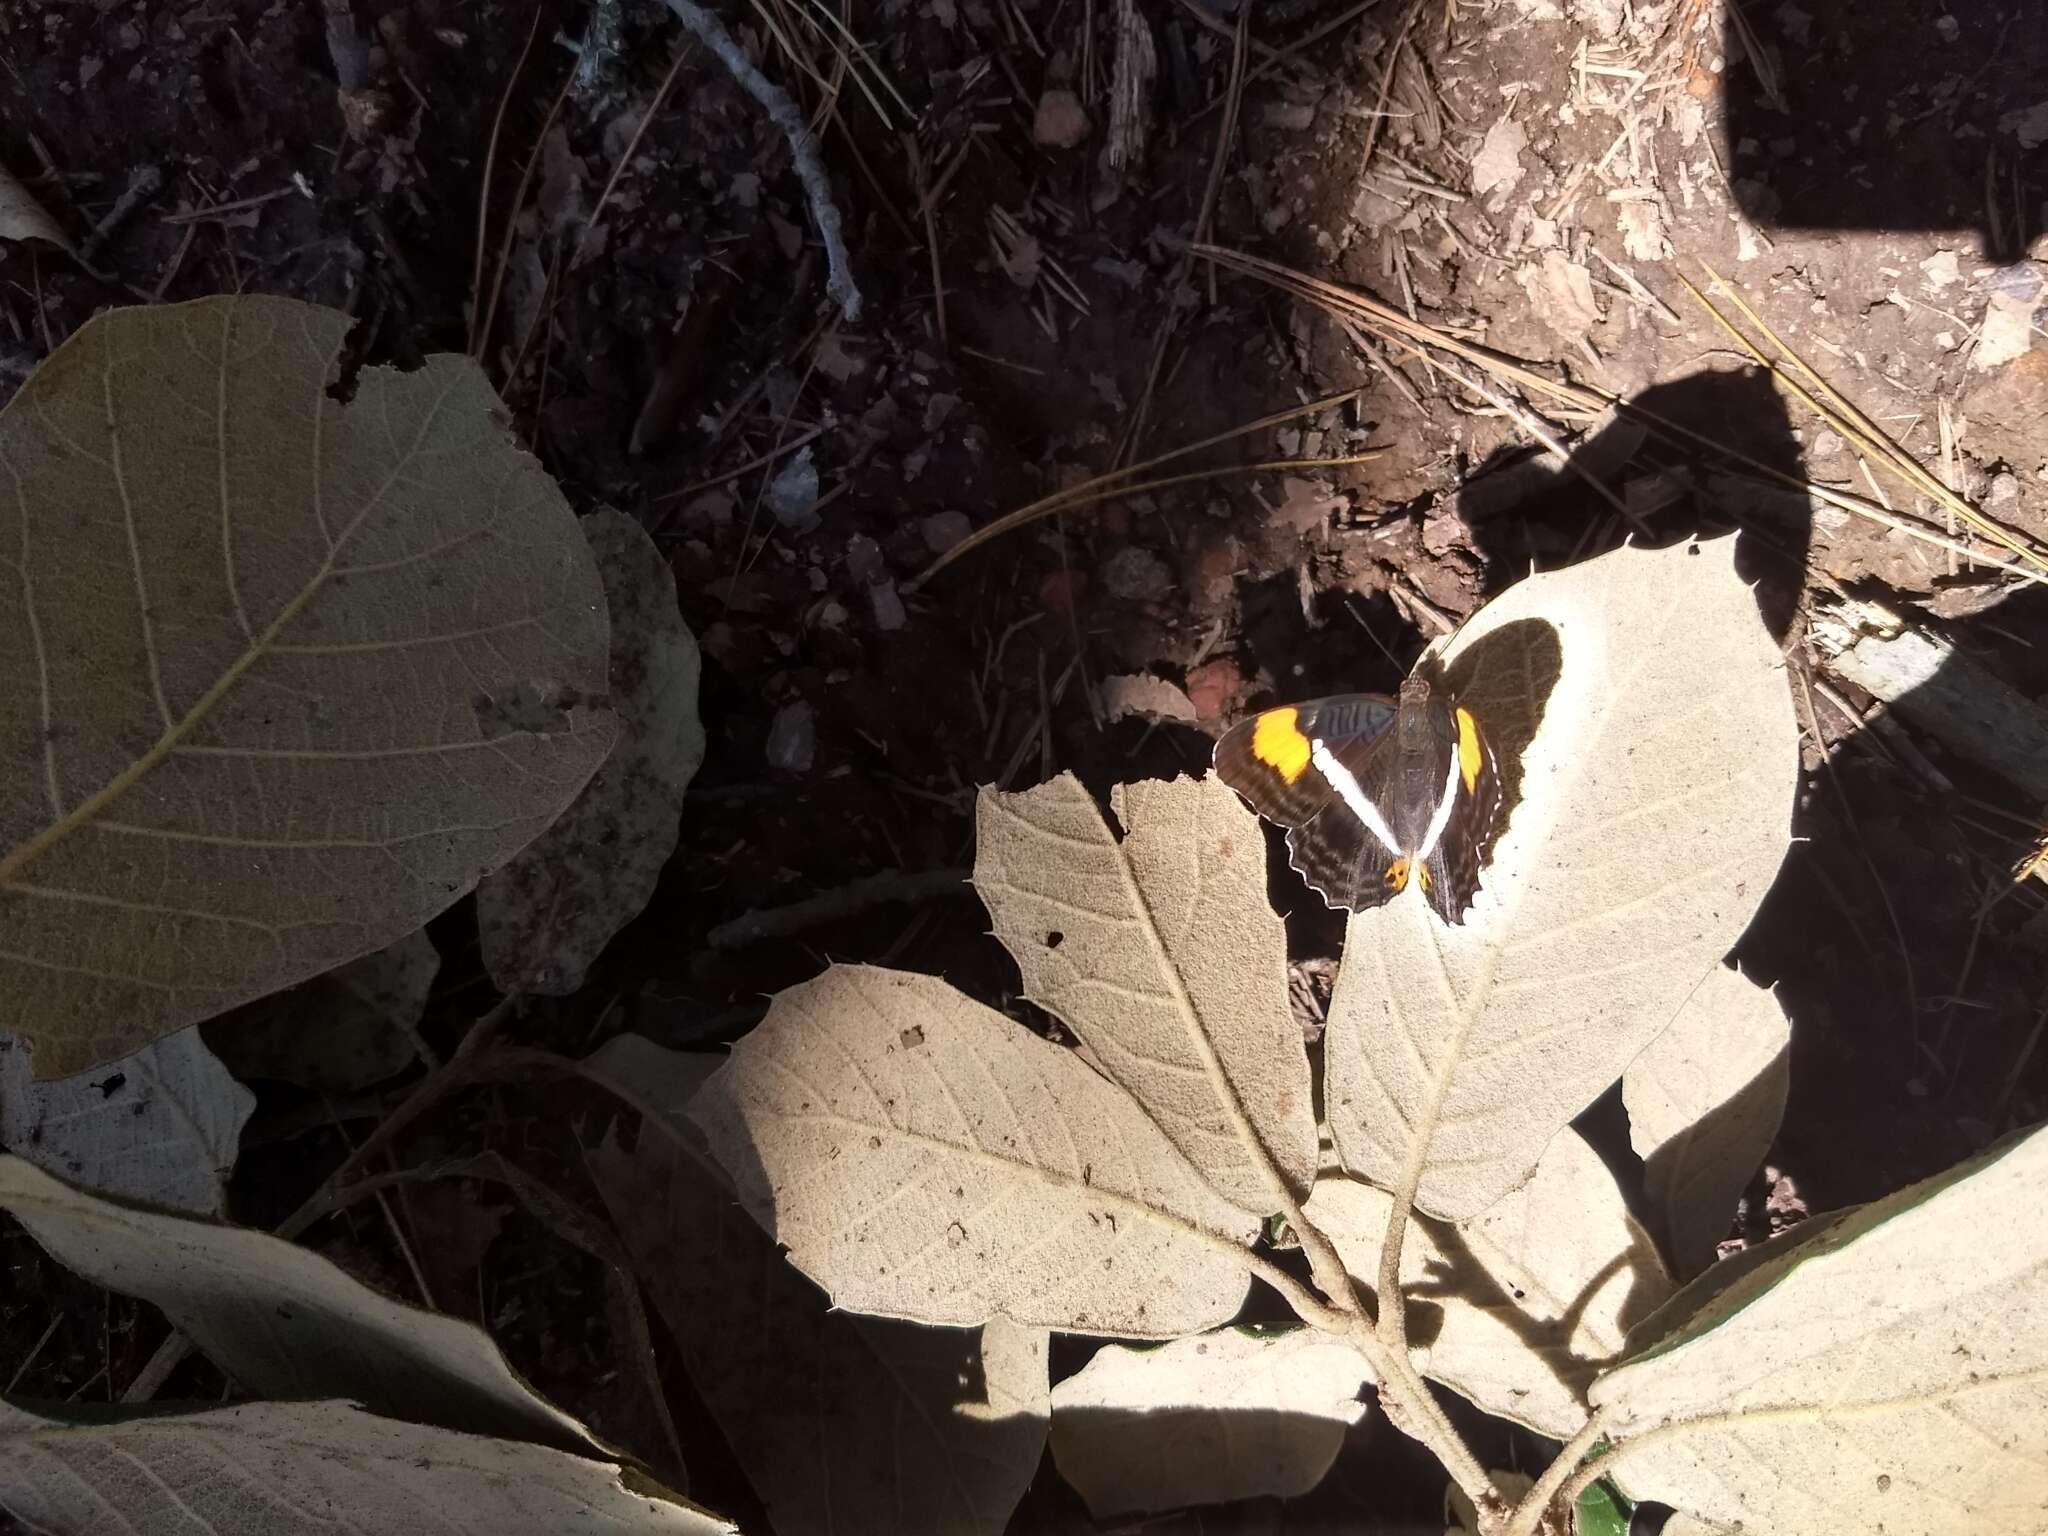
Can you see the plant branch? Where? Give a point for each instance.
(1528, 1514)
(803, 145)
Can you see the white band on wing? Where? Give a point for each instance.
(1349, 791)
(1441, 818)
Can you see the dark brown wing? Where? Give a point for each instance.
(1342, 860)
(1267, 759)
(1454, 865)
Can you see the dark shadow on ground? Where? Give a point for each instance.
(1890, 115)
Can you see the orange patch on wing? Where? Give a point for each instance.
(1468, 751)
(1397, 876)
(1422, 877)
(1278, 743)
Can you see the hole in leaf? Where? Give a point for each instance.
(1054, 939)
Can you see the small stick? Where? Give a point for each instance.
(483, 211)
(895, 885)
(803, 146)
(142, 186)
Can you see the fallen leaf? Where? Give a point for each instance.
(1893, 1362)
(1498, 165)
(281, 1320)
(845, 1425)
(1061, 122)
(340, 1032)
(1562, 291)
(547, 913)
(161, 1126)
(2007, 331)
(1641, 223)
(23, 218)
(1206, 1420)
(347, 668)
(1704, 1103)
(1123, 694)
(923, 1157)
(1162, 952)
(1523, 1304)
(307, 1469)
(1625, 872)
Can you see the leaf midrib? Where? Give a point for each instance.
(86, 811)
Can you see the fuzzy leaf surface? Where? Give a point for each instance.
(544, 917)
(1229, 1415)
(853, 1426)
(311, 1469)
(1162, 952)
(923, 1157)
(162, 1125)
(1887, 1372)
(1704, 1101)
(1638, 710)
(282, 1320)
(280, 676)
(1518, 1308)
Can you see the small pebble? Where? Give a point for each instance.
(1061, 122)
(793, 738)
(942, 530)
(1137, 576)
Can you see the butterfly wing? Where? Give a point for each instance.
(1270, 761)
(1453, 866)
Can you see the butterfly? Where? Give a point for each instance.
(1376, 792)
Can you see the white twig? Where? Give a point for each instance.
(803, 145)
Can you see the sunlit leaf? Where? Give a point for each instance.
(1638, 709)
(1161, 950)
(1704, 1103)
(845, 1425)
(1204, 1420)
(1518, 1308)
(1892, 1364)
(923, 1157)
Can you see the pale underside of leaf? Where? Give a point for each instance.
(1639, 710)
(923, 1157)
(546, 914)
(340, 1032)
(312, 1469)
(1890, 1374)
(1704, 1102)
(1518, 1308)
(283, 1321)
(1162, 952)
(845, 1425)
(23, 218)
(1206, 1420)
(162, 1125)
(280, 677)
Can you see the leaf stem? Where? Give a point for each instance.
(1558, 1479)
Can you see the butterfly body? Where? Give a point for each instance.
(1376, 792)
